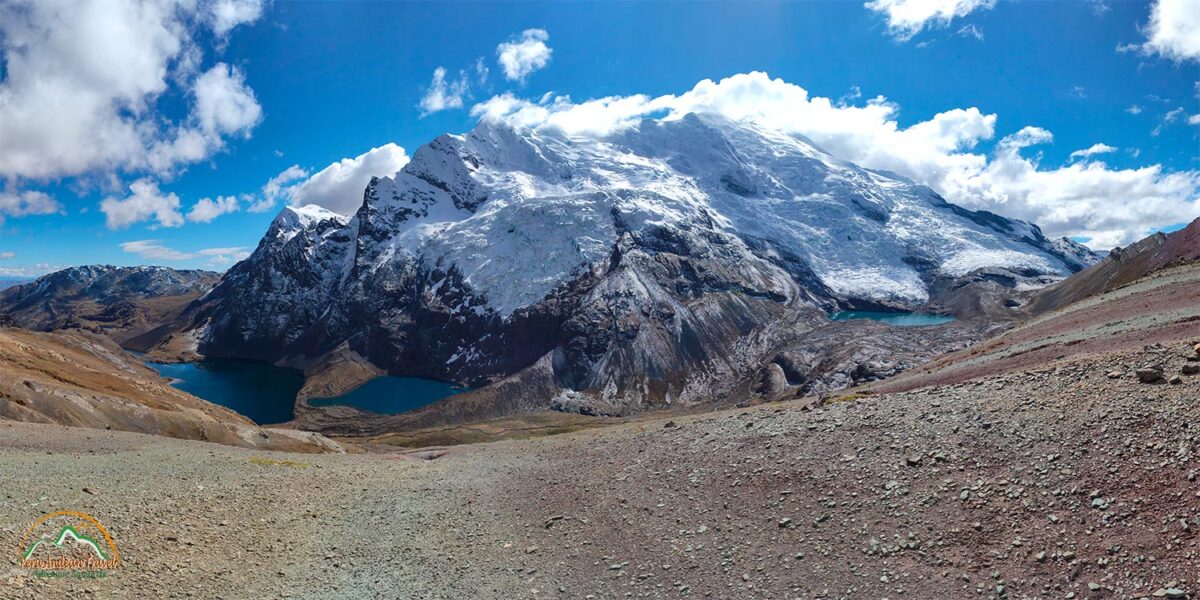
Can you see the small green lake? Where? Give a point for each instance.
(899, 319)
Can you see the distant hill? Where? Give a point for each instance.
(1121, 267)
(126, 303)
(7, 282)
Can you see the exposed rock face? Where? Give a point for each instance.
(658, 264)
(127, 303)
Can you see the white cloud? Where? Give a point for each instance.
(521, 57)
(208, 209)
(1173, 31)
(1134, 109)
(906, 18)
(145, 203)
(28, 202)
(481, 70)
(275, 187)
(154, 250)
(227, 14)
(224, 105)
(1086, 198)
(82, 81)
(1194, 120)
(1098, 148)
(157, 251)
(339, 187)
(970, 31)
(34, 270)
(223, 256)
(442, 95)
(7, 255)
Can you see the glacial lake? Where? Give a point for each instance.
(266, 394)
(898, 319)
(390, 395)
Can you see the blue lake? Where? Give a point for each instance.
(266, 394)
(263, 392)
(390, 395)
(899, 319)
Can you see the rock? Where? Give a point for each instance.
(669, 425)
(1092, 585)
(913, 460)
(1040, 556)
(1115, 374)
(1190, 369)
(1149, 374)
(785, 522)
(1175, 380)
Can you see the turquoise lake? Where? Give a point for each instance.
(266, 394)
(390, 395)
(898, 319)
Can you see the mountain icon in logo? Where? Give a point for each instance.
(68, 541)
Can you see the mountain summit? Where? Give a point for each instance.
(657, 263)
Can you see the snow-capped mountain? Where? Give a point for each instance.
(649, 264)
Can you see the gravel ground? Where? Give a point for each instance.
(1071, 480)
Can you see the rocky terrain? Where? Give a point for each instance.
(1147, 294)
(1056, 460)
(653, 267)
(128, 304)
(84, 380)
(1068, 480)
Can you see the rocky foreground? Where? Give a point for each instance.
(1068, 480)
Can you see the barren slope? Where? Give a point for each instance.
(1044, 483)
(85, 380)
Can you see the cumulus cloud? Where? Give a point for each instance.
(82, 80)
(521, 57)
(1085, 198)
(275, 187)
(339, 187)
(144, 203)
(1094, 149)
(906, 18)
(1173, 31)
(442, 95)
(155, 250)
(208, 209)
(28, 202)
(224, 105)
(227, 14)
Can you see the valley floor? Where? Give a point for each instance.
(1059, 481)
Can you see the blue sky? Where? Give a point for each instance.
(255, 88)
